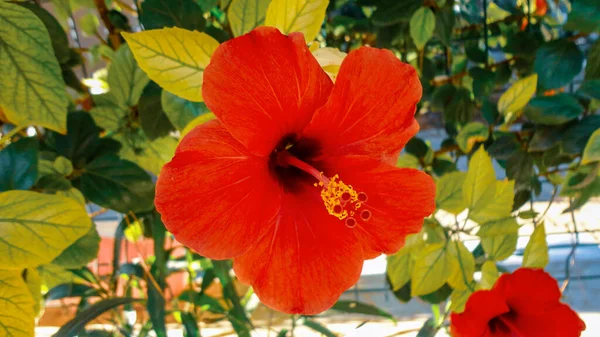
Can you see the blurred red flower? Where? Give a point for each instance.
(525, 303)
(296, 179)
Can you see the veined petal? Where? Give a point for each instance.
(481, 308)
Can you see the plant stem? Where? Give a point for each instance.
(6, 137)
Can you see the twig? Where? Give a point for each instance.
(113, 34)
(98, 212)
(570, 262)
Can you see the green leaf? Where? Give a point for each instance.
(545, 137)
(185, 14)
(536, 251)
(480, 183)
(422, 25)
(575, 138)
(108, 113)
(458, 300)
(591, 88)
(432, 268)
(125, 79)
(63, 166)
(460, 108)
(153, 119)
(553, 110)
(483, 82)
(66, 290)
(32, 90)
(517, 96)
(19, 165)
(500, 247)
(519, 168)
(498, 208)
(474, 53)
(34, 283)
(444, 24)
(584, 16)
(557, 63)
(591, 153)
(117, 184)
(592, 68)
(149, 155)
(305, 16)
(190, 325)
(463, 266)
(449, 196)
(60, 42)
(355, 307)
(77, 324)
(489, 275)
(499, 227)
(174, 58)
(81, 252)
(399, 268)
(318, 327)
(471, 134)
(89, 24)
(17, 319)
(180, 111)
(36, 227)
(245, 15)
(391, 12)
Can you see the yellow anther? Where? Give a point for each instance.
(339, 198)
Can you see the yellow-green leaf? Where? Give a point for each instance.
(432, 268)
(305, 16)
(499, 247)
(489, 275)
(449, 194)
(536, 251)
(399, 268)
(35, 228)
(463, 266)
(422, 25)
(470, 135)
(500, 206)
(74, 194)
(174, 58)
(197, 121)
(32, 90)
(245, 15)
(480, 184)
(498, 227)
(34, 284)
(81, 252)
(459, 299)
(518, 95)
(591, 153)
(149, 155)
(125, 79)
(17, 319)
(330, 59)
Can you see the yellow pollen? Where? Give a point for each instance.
(332, 198)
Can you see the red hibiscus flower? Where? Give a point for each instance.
(525, 303)
(295, 180)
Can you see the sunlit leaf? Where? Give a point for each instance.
(536, 251)
(470, 135)
(17, 319)
(499, 207)
(591, 153)
(500, 247)
(36, 227)
(449, 192)
(463, 266)
(498, 227)
(458, 300)
(80, 252)
(518, 95)
(305, 16)
(422, 25)
(489, 275)
(432, 268)
(245, 15)
(174, 58)
(32, 90)
(480, 183)
(399, 268)
(125, 79)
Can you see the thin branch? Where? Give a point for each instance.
(113, 33)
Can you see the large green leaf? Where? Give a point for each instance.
(153, 119)
(399, 268)
(125, 79)
(536, 251)
(489, 274)
(149, 155)
(81, 252)
(584, 16)
(361, 308)
(108, 113)
(591, 153)
(480, 183)
(444, 23)
(117, 184)
(517, 96)
(17, 318)
(557, 63)
(168, 13)
(32, 90)
(391, 12)
(591, 88)
(575, 138)
(499, 207)
(304, 16)
(458, 300)
(463, 266)
(470, 135)
(245, 15)
(422, 25)
(449, 196)
(35, 228)
(498, 227)
(500, 247)
(592, 68)
(432, 268)
(19, 165)
(34, 284)
(180, 111)
(553, 110)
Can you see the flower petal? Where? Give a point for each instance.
(561, 321)
(306, 261)
(214, 196)
(529, 291)
(371, 108)
(263, 86)
(482, 306)
(398, 199)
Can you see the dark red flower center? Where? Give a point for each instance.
(293, 163)
(503, 325)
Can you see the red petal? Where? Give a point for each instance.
(306, 261)
(482, 306)
(214, 196)
(561, 321)
(371, 108)
(398, 198)
(263, 86)
(529, 291)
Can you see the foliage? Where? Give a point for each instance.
(516, 89)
